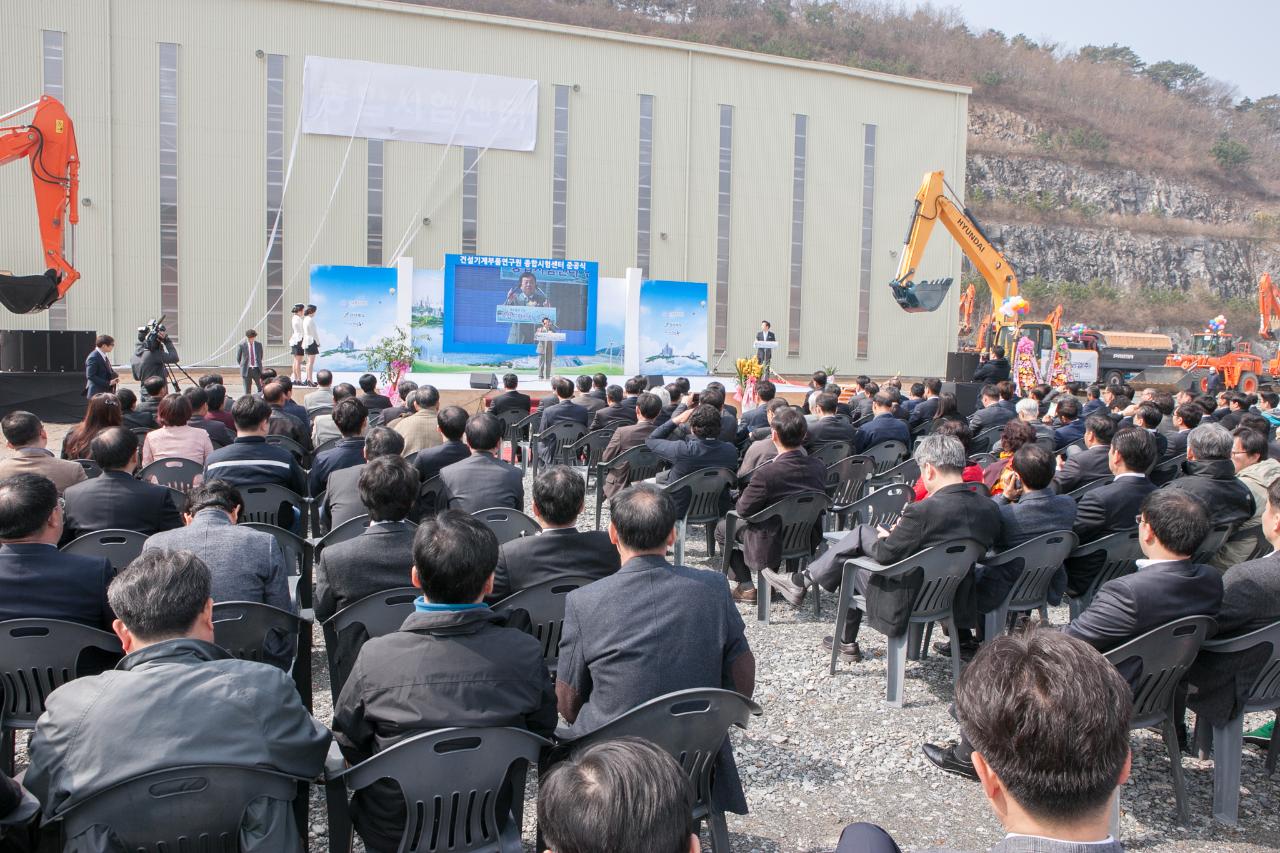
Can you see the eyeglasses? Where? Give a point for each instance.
(1138, 519)
(1239, 453)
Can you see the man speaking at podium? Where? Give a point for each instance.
(546, 349)
(765, 354)
(526, 292)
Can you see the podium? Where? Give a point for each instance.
(547, 350)
(550, 337)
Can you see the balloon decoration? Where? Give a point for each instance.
(1014, 306)
(1216, 326)
(1077, 331)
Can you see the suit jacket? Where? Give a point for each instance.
(342, 496)
(923, 412)
(831, 428)
(1215, 482)
(1068, 433)
(98, 374)
(347, 453)
(765, 355)
(1250, 600)
(687, 454)
(623, 439)
(482, 481)
(1035, 844)
(759, 452)
(420, 431)
(242, 357)
(115, 499)
(1082, 468)
(376, 560)
(389, 415)
(318, 399)
(1158, 593)
(952, 512)
(859, 406)
(993, 371)
(615, 415)
(651, 629)
(144, 420)
(1177, 443)
(374, 402)
(1111, 508)
(561, 552)
(429, 462)
(298, 413)
(789, 474)
(39, 581)
(881, 428)
(1034, 514)
(219, 435)
(511, 400)
(37, 460)
(282, 423)
(988, 417)
(590, 402)
(751, 420)
(246, 564)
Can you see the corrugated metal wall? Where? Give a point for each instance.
(112, 94)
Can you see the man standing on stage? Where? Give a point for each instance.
(546, 350)
(528, 293)
(98, 373)
(249, 357)
(764, 354)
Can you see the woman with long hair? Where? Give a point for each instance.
(175, 438)
(1016, 433)
(102, 413)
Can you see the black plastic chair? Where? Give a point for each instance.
(1228, 738)
(430, 499)
(1040, 560)
(1261, 547)
(1080, 491)
(880, 507)
(451, 780)
(585, 453)
(299, 453)
(251, 630)
(944, 567)
(1119, 554)
(507, 524)
(983, 441)
(319, 412)
(545, 605)
(518, 436)
(691, 725)
(1073, 448)
(36, 657)
(565, 435)
(831, 452)
(120, 547)
(372, 616)
(91, 469)
(887, 454)
(798, 515)
(298, 559)
(1212, 544)
(344, 532)
(640, 463)
(174, 472)
(706, 489)
(268, 503)
(1164, 655)
(907, 472)
(187, 808)
(846, 483)
(327, 444)
(1168, 470)
(982, 460)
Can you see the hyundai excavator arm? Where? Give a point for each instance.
(49, 142)
(1268, 307)
(931, 206)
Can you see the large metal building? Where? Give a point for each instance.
(785, 185)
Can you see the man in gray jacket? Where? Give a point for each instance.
(245, 564)
(175, 699)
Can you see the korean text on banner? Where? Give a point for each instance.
(418, 104)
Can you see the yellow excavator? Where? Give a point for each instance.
(933, 204)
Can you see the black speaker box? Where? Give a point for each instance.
(487, 381)
(655, 381)
(967, 395)
(39, 351)
(961, 366)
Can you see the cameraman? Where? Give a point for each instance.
(153, 353)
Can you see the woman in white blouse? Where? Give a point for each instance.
(310, 342)
(295, 343)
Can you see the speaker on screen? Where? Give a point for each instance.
(487, 381)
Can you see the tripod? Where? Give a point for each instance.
(173, 380)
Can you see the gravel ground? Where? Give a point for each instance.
(828, 751)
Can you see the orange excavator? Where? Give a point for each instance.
(49, 142)
(1268, 307)
(966, 310)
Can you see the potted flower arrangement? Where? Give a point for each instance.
(749, 372)
(392, 358)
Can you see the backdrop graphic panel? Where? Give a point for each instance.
(355, 308)
(673, 327)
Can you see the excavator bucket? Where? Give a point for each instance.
(917, 296)
(26, 294)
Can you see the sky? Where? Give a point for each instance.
(1232, 40)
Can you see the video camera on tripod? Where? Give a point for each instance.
(149, 335)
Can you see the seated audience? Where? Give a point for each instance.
(676, 394)
(620, 796)
(922, 413)
(25, 435)
(756, 418)
(1093, 401)
(972, 470)
(792, 472)
(584, 397)
(615, 414)
(174, 439)
(323, 427)
(1257, 470)
(953, 511)
(1083, 467)
(373, 401)
(948, 410)
(714, 396)
(511, 400)
(249, 460)
(322, 397)
(115, 500)
(452, 663)
(218, 408)
(219, 435)
(1015, 434)
(563, 411)
(1209, 475)
(1067, 423)
(482, 480)
(175, 699)
(452, 424)
(404, 390)
(293, 409)
(102, 412)
(560, 550)
(648, 408)
(1186, 418)
(131, 417)
(992, 414)
(419, 429)
(244, 564)
(882, 427)
(762, 449)
(690, 442)
(651, 629)
(153, 391)
(1028, 411)
(342, 501)
(351, 419)
(280, 422)
(36, 579)
(829, 427)
(1148, 416)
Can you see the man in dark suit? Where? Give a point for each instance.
(924, 411)
(599, 382)
(714, 396)
(352, 419)
(829, 427)
(280, 422)
(859, 405)
(1090, 464)
(482, 481)
(1067, 423)
(883, 426)
(1149, 417)
(584, 397)
(560, 550)
(114, 499)
(1186, 418)
(952, 511)
(1210, 476)
(690, 442)
(626, 437)
(510, 399)
(219, 435)
(37, 580)
(452, 423)
(342, 500)
(153, 388)
(651, 629)
(765, 354)
(565, 411)
(992, 414)
(993, 369)
(614, 415)
(755, 418)
(99, 376)
(793, 471)
(1093, 401)
(635, 386)
(249, 357)
(373, 401)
